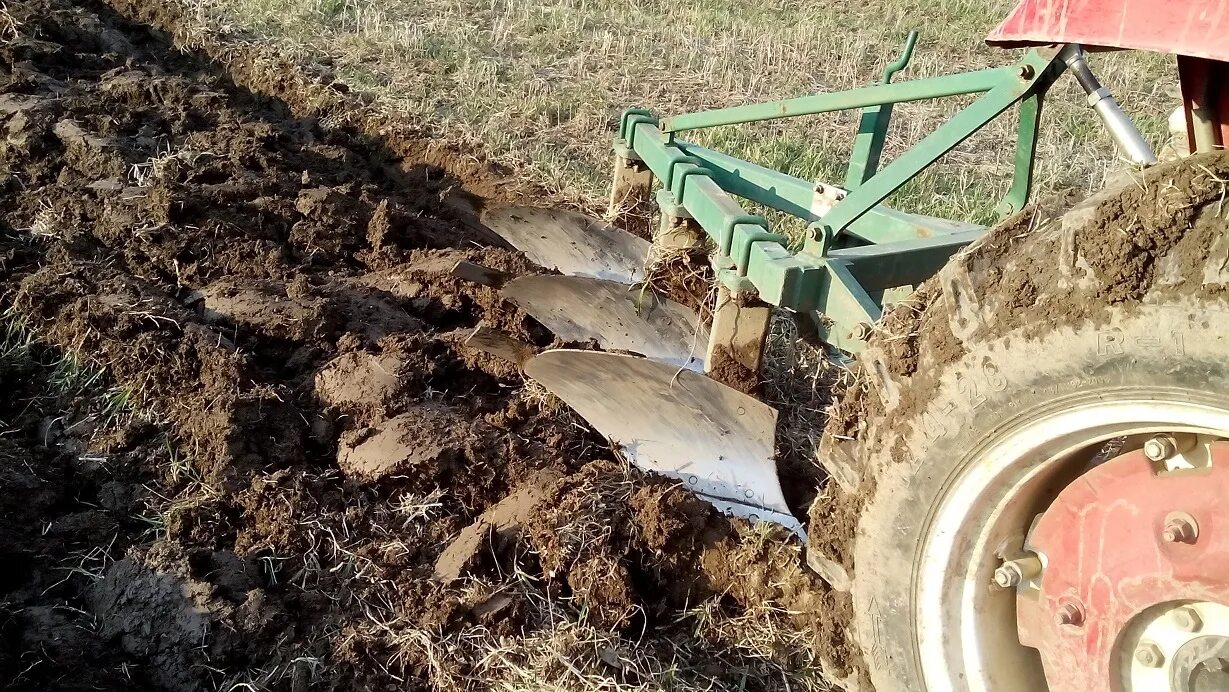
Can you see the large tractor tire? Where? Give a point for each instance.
(1057, 396)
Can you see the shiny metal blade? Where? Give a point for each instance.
(618, 316)
(717, 441)
(570, 242)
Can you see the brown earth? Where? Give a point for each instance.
(334, 493)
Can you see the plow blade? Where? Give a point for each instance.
(617, 316)
(570, 242)
(716, 441)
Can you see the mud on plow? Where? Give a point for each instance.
(1030, 358)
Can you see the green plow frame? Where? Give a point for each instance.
(856, 248)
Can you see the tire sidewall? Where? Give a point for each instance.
(1176, 348)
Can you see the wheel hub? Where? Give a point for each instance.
(1136, 575)
(1182, 647)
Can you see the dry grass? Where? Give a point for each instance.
(166, 164)
(8, 25)
(799, 377)
(707, 649)
(560, 646)
(542, 84)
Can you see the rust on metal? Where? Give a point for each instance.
(1109, 557)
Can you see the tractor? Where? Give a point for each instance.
(1023, 476)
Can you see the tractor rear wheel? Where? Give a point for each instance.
(1033, 455)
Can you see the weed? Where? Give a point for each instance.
(117, 402)
(70, 376)
(90, 564)
(48, 221)
(416, 508)
(16, 340)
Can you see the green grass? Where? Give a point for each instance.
(541, 84)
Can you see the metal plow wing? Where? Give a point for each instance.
(570, 242)
(618, 316)
(717, 441)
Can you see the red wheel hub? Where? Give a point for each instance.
(1112, 548)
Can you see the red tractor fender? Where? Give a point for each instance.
(1195, 28)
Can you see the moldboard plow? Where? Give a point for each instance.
(1027, 368)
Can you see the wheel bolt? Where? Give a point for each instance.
(1150, 655)
(1012, 572)
(1187, 619)
(1160, 447)
(1180, 530)
(1071, 614)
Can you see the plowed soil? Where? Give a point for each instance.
(329, 490)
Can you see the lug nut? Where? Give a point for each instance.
(1015, 571)
(1160, 447)
(1180, 530)
(1071, 614)
(1150, 655)
(1187, 619)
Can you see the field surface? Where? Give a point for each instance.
(541, 84)
(243, 447)
(243, 443)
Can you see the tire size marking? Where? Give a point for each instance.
(991, 380)
(1112, 342)
(934, 424)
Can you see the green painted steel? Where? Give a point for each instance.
(874, 249)
(902, 92)
(868, 145)
(846, 305)
(1026, 153)
(1028, 128)
(795, 196)
(903, 263)
(873, 126)
(1018, 84)
(906, 54)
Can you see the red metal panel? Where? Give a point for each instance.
(1198, 28)
(1205, 91)
(1106, 556)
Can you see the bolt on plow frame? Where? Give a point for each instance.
(1024, 479)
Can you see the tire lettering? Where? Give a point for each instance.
(1151, 343)
(1112, 342)
(1179, 344)
(934, 424)
(968, 389)
(995, 381)
(1109, 343)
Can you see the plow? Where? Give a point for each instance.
(1033, 455)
